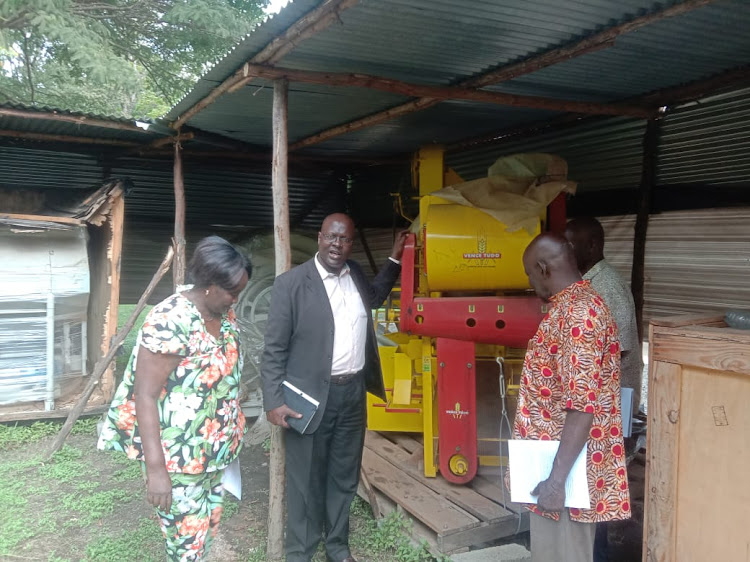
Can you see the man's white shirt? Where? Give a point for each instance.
(349, 318)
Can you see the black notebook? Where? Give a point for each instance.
(302, 404)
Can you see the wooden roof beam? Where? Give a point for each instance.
(600, 40)
(43, 137)
(307, 26)
(443, 92)
(77, 119)
(736, 77)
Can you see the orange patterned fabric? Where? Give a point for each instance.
(573, 363)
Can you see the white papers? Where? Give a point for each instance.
(232, 479)
(531, 462)
(626, 405)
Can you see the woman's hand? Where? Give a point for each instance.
(159, 488)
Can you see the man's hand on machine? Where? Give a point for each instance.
(278, 416)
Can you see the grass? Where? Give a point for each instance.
(87, 505)
(129, 545)
(66, 496)
(388, 537)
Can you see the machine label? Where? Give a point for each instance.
(457, 413)
(482, 254)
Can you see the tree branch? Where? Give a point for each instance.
(27, 64)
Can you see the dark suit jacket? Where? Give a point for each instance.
(299, 334)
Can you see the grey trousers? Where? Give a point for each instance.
(322, 474)
(561, 541)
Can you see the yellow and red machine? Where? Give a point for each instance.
(464, 297)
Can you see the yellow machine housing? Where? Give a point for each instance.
(468, 250)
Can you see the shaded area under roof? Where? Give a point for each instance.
(441, 42)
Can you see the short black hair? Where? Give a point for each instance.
(217, 262)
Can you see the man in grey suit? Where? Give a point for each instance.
(320, 337)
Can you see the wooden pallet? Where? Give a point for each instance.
(450, 517)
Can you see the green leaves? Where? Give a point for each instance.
(133, 58)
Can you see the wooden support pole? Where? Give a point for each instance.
(103, 363)
(178, 273)
(591, 43)
(444, 92)
(307, 26)
(648, 180)
(283, 255)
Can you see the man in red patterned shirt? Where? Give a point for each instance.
(570, 391)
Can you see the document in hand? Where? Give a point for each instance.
(531, 462)
(302, 404)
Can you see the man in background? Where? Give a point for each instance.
(586, 235)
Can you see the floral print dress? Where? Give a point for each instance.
(202, 424)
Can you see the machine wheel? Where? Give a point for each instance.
(253, 304)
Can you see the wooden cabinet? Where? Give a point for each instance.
(698, 468)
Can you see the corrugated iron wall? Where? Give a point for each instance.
(696, 261)
(707, 141)
(601, 154)
(28, 168)
(222, 198)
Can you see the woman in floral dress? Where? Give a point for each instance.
(177, 409)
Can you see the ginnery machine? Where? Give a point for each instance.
(464, 301)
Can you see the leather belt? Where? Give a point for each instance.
(343, 379)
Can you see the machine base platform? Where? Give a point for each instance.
(450, 517)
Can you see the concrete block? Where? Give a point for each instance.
(504, 553)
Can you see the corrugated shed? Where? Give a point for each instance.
(601, 154)
(707, 141)
(443, 42)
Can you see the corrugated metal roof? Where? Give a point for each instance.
(46, 124)
(442, 42)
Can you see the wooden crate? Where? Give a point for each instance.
(450, 517)
(698, 454)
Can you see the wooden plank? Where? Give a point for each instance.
(688, 319)
(434, 511)
(114, 257)
(714, 455)
(463, 496)
(721, 355)
(721, 333)
(41, 218)
(486, 532)
(418, 531)
(406, 441)
(489, 489)
(660, 516)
